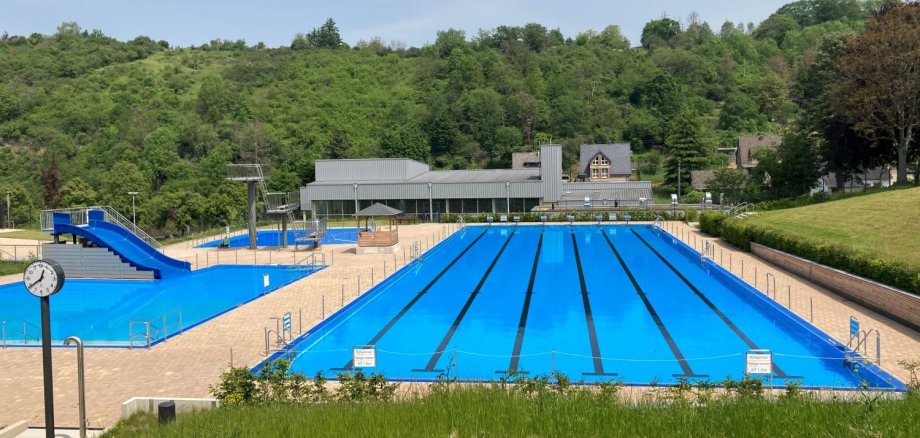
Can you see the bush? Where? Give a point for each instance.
(690, 215)
(711, 223)
(694, 197)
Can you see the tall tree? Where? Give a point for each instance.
(51, 182)
(325, 37)
(878, 86)
(685, 148)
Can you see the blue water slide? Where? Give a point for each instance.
(122, 242)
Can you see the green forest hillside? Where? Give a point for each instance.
(85, 118)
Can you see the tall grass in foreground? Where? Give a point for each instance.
(493, 411)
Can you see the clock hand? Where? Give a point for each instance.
(40, 277)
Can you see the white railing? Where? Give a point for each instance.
(80, 217)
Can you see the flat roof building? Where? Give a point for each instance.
(343, 187)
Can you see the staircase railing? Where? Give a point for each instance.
(80, 217)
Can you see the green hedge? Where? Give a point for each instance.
(562, 216)
(739, 233)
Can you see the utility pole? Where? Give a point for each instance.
(678, 180)
(8, 221)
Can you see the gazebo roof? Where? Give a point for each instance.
(378, 209)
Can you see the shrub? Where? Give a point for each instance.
(359, 387)
(690, 215)
(273, 383)
(711, 223)
(693, 197)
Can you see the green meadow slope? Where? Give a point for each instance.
(884, 224)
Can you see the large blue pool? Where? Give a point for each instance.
(99, 311)
(596, 303)
(273, 238)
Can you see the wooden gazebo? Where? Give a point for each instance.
(377, 241)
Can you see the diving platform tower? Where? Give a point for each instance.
(278, 205)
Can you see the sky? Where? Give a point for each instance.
(413, 22)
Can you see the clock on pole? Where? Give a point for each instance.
(44, 278)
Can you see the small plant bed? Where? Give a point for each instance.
(277, 404)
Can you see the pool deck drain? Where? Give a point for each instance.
(186, 365)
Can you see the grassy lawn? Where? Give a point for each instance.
(485, 411)
(26, 234)
(7, 267)
(879, 223)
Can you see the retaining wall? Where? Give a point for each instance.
(893, 303)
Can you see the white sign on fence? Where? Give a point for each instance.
(265, 280)
(364, 356)
(759, 362)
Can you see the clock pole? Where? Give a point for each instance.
(46, 365)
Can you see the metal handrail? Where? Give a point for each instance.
(25, 331)
(80, 217)
(769, 277)
(149, 335)
(312, 259)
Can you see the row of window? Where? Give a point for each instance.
(600, 173)
(421, 207)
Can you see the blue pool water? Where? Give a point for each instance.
(99, 311)
(594, 302)
(273, 238)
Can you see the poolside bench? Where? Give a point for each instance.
(406, 219)
(503, 218)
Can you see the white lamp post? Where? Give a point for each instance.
(133, 212)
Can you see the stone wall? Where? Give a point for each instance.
(893, 303)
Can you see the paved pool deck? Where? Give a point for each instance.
(187, 365)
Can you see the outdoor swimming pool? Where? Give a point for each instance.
(333, 236)
(99, 311)
(596, 303)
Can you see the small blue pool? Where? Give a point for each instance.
(100, 311)
(333, 236)
(597, 303)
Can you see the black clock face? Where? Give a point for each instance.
(43, 278)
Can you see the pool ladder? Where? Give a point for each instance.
(707, 251)
(149, 332)
(313, 260)
(24, 334)
(862, 341)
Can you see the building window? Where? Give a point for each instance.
(594, 173)
(605, 173)
(600, 160)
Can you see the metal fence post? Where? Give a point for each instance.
(811, 309)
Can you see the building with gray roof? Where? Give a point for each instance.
(748, 147)
(343, 187)
(605, 162)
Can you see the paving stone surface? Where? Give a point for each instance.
(185, 366)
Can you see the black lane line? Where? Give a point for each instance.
(779, 372)
(684, 365)
(589, 316)
(466, 307)
(418, 296)
(519, 339)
